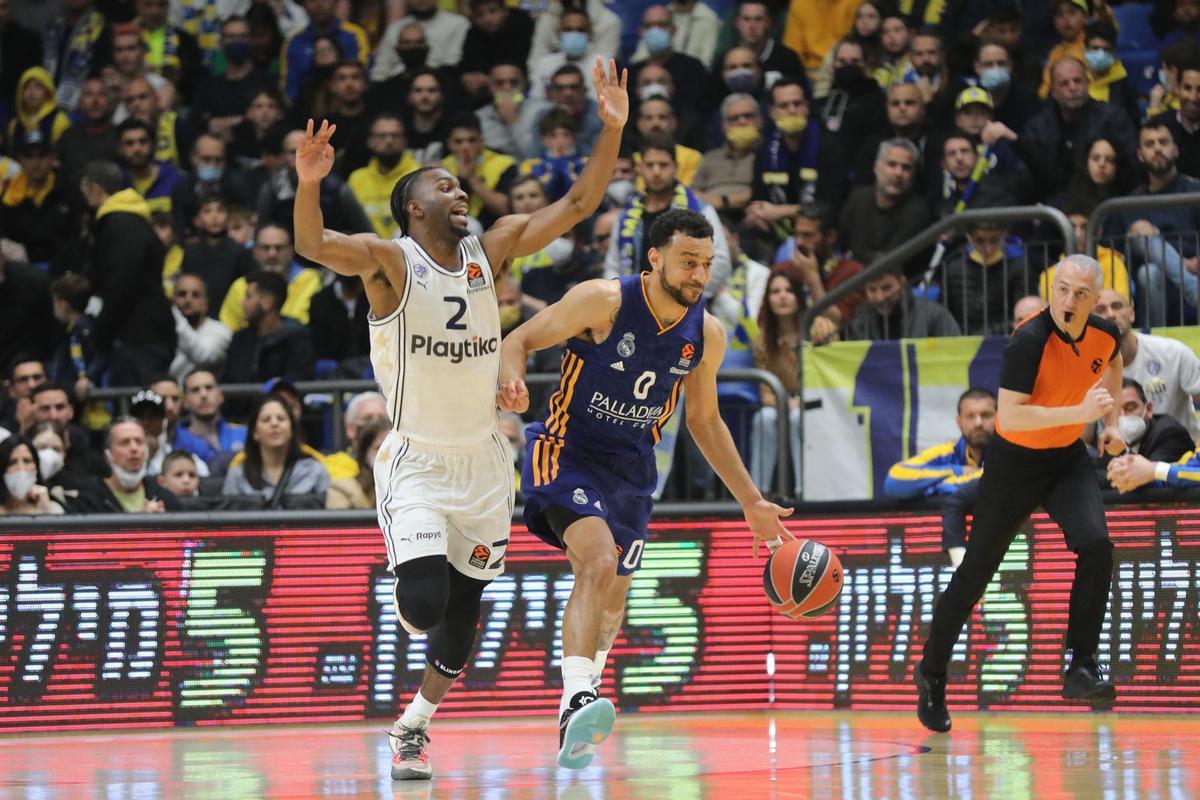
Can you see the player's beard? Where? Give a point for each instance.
(676, 292)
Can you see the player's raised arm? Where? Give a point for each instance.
(712, 436)
(589, 306)
(345, 255)
(522, 234)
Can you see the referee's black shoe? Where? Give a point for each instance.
(1084, 682)
(931, 702)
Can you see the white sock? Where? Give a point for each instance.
(598, 667)
(418, 713)
(577, 677)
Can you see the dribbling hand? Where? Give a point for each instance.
(513, 395)
(1096, 403)
(763, 518)
(314, 156)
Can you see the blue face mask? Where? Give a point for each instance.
(207, 173)
(573, 43)
(1099, 61)
(993, 78)
(741, 79)
(657, 40)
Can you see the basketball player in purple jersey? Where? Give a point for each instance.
(632, 346)
(443, 476)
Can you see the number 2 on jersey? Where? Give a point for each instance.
(641, 387)
(453, 323)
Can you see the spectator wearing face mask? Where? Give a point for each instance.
(127, 489)
(220, 100)
(574, 47)
(690, 76)
(22, 492)
(1151, 437)
(725, 178)
(1108, 82)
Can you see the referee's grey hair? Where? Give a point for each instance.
(738, 97)
(1087, 263)
(899, 143)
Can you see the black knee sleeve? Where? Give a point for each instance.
(450, 644)
(421, 590)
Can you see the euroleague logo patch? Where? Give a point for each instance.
(479, 556)
(475, 277)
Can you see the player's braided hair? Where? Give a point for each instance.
(401, 194)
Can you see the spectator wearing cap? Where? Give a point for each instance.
(36, 111)
(35, 203)
(76, 361)
(1054, 138)
(271, 344)
(205, 432)
(134, 327)
(362, 410)
(202, 340)
(1070, 22)
(127, 489)
(168, 389)
(1108, 82)
(149, 409)
(975, 115)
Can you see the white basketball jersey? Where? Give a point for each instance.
(437, 356)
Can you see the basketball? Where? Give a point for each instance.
(803, 578)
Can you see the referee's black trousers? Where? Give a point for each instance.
(1016, 480)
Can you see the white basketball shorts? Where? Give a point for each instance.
(455, 502)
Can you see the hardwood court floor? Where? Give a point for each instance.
(677, 756)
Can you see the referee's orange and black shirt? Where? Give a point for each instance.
(1040, 360)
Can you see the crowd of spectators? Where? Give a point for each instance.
(147, 175)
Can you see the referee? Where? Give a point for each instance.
(1062, 369)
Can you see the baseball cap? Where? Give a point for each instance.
(973, 95)
(147, 403)
(280, 385)
(31, 142)
(1080, 4)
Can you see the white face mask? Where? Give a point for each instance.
(128, 480)
(619, 191)
(50, 462)
(19, 483)
(1132, 428)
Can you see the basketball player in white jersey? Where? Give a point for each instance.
(443, 477)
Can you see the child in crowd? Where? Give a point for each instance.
(214, 256)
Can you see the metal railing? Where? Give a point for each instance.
(1167, 293)
(339, 390)
(918, 244)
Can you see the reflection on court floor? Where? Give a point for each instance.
(676, 756)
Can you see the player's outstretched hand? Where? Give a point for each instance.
(612, 99)
(763, 518)
(314, 156)
(513, 395)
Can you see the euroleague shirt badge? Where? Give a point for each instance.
(479, 556)
(475, 277)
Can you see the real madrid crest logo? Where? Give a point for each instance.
(625, 347)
